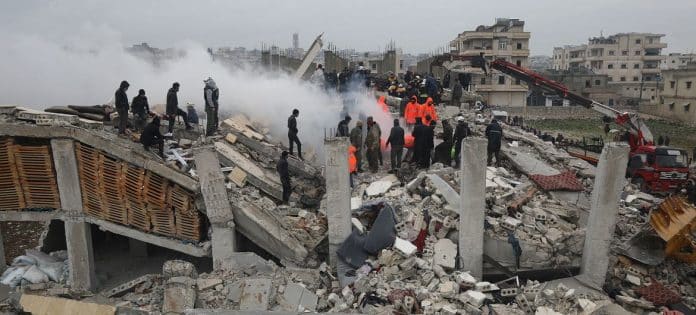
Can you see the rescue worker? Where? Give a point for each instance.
(121, 103)
(356, 141)
(284, 173)
(411, 111)
(428, 109)
(212, 93)
(382, 102)
(140, 109)
(372, 123)
(457, 91)
(173, 109)
(352, 163)
(494, 133)
(151, 136)
(372, 144)
(343, 130)
(292, 133)
(396, 139)
(419, 134)
(462, 131)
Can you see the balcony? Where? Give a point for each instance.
(650, 70)
(654, 57)
(519, 52)
(655, 45)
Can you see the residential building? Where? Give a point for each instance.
(506, 39)
(631, 61)
(580, 81)
(677, 60)
(679, 94)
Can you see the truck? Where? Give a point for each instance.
(656, 169)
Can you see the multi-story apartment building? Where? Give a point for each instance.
(677, 60)
(679, 94)
(506, 39)
(631, 61)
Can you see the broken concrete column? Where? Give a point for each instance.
(217, 205)
(608, 185)
(337, 194)
(472, 206)
(78, 234)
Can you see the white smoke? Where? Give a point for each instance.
(86, 69)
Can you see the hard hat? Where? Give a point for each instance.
(460, 118)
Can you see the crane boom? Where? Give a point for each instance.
(631, 121)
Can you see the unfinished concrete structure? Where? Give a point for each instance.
(337, 194)
(472, 206)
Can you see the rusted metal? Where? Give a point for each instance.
(675, 222)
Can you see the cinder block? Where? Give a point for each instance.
(238, 177)
(231, 138)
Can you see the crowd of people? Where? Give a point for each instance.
(150, 135)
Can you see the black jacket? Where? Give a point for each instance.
(396, 136)
(282, 168)
(343, 129)
(494, 133)
(172, 102)
(292, 124)
(139, 105)
(462, 131)
(447, 133)
(121, 100)
(457, 91)
(420, 133)
(151, 135)
(214, 96)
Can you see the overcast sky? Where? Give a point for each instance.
(415, 26)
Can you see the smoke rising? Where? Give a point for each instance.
(86, 69)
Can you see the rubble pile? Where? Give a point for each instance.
(37, 268)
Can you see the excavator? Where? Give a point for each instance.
(653, 168)
(657, 169)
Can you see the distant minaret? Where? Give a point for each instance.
(295, 41)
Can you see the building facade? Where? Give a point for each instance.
(579, 81)
(506, 39)
(678, 97)
(677, 60)
(630, 60)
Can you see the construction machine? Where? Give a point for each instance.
(653, 168)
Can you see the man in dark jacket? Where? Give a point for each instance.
(457, 91)
(284, 173)
(343, 130)
(357, 141)
(292, 133)
(494, 133)
(211, 94)
(444, 149)
(173, 109)
(370, 124)
(121, 102)
(462, 131)
(423, 143)
(140, 109)
(152, 136)
(372, 144)
(396, 139)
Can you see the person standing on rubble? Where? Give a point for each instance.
(173, 109)
(419, 141)
(462, 131)
(372, 144)
(121, 103)
(292, 133)
(151, 136)
(284, 173)
(457, 91)
(140, 109)
(372, 123)
(396, 139)
(494, 133)
(212, 94)
(356, 141)
(343, 130)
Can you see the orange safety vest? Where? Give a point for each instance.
(352, 160)
(409, 141)
(429, 109)
(410, 112)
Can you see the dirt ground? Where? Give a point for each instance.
(19, 236)
(681, 135)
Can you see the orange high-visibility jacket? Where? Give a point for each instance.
(429, 109)
(411, 111)
(409, 141)
(352, 160)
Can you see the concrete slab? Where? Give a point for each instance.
(377, 188)
(527, 163)
(299, 299)
(450, 195)
(445, 253)
(255, 295)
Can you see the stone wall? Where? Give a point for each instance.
(553, 112)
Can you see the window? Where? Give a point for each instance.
(519, 45)
(623, 79)
(671, 106)
(517, 81)
(519, 63)
(672, 84)
(501, 79)
(483, 80)
(688, 84)
(623, 66)
(687, 106)
(587, 83)
(636, 66)
(374, 66)
(650, 40)
(610, 79)
(672, 61)
(502, 45)
(610, 66)
(635, 79)
(611, 53)
(637, 52)
(652, 90)
(637, 41)
(597, 82)
(624, 53)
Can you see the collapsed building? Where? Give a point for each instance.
(538, 229)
